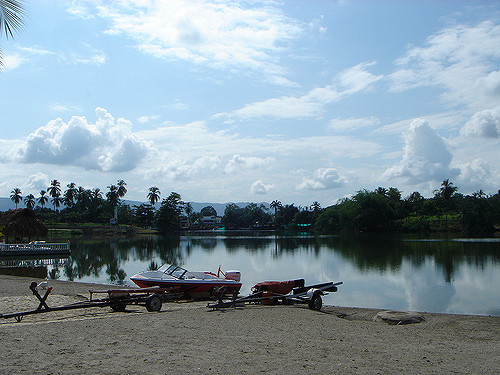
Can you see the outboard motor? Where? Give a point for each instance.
(233, 275)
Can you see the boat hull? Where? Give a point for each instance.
(192, 288)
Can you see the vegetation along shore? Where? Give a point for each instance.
(383, 209)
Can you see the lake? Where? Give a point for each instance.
(433, 273)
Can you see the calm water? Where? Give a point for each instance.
(434, 274)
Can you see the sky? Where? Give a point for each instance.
(252, 101)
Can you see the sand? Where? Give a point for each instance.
(191, 338)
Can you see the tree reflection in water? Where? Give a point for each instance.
(94, 257)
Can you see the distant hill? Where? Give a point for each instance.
(7, 204)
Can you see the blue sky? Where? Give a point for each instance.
(223, 101)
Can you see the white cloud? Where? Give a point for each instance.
(11, 62)
(445, 120)
(323, 179)
(185, 169)
(36, 50)
(244, 35)
(352, 123)
(95, 58)
(58, 107)
(147, 118)
(312, 104)
(238, 163)
(177, 105)
(107, 145)
(484, 124)
(285, 107)
(80, 11)
(461, 59)
(425, 156)
(475, 174)
(258, 187)
(35, 183)
(357, 79)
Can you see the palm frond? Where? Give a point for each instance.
(11, 16)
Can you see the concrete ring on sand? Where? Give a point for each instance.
(398, 317)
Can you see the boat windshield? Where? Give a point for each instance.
(173, 270)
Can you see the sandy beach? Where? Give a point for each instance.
(192, 338)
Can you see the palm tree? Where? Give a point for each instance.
(82, 198)
(153, 195)
(276, 205)
(479, 194)
(11, 19)
(16, 196)
(56, 202)
(122, 190)
(70, 194)
(113, 198)
(54, 189)
(29, 201)
(95, 194)
(447, 190)
(381, 191)
(315, 206)
(188, 208)
(43, 199)
(55, 192)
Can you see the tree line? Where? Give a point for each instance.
(382, 209)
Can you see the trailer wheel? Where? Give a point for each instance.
(118, 307)
(316, 302)
(153, 303)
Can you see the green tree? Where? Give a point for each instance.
(170, 214)
(54, 189)
(70, 194)
(153, 195)
(208, 211)
(42, 200)
(11, 19)
(113, 198)
(96, 195)
(29, 201)
(82, 198)
(95, 204)
(447, 190)
(16, 196)
(56, 202)
(188, 209)
(316, 209)
(276, 205)
(234, 217)
(144, 215)
(122, 190)
(286, 214)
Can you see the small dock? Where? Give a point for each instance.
(35, 248)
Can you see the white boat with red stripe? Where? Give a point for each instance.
(194, 284)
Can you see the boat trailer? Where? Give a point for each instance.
(287, 293)
(118, 299)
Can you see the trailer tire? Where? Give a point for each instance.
(117, 307)
(316, 302)
(153, 303)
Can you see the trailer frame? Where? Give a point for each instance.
(310, 295)
(118, 299)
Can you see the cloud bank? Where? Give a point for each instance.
(107, 145)
(241, 35)
(425, 156)
(323, 179)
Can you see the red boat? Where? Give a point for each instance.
(194, 284)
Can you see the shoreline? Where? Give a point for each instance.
(245, 340)
(72, 288)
